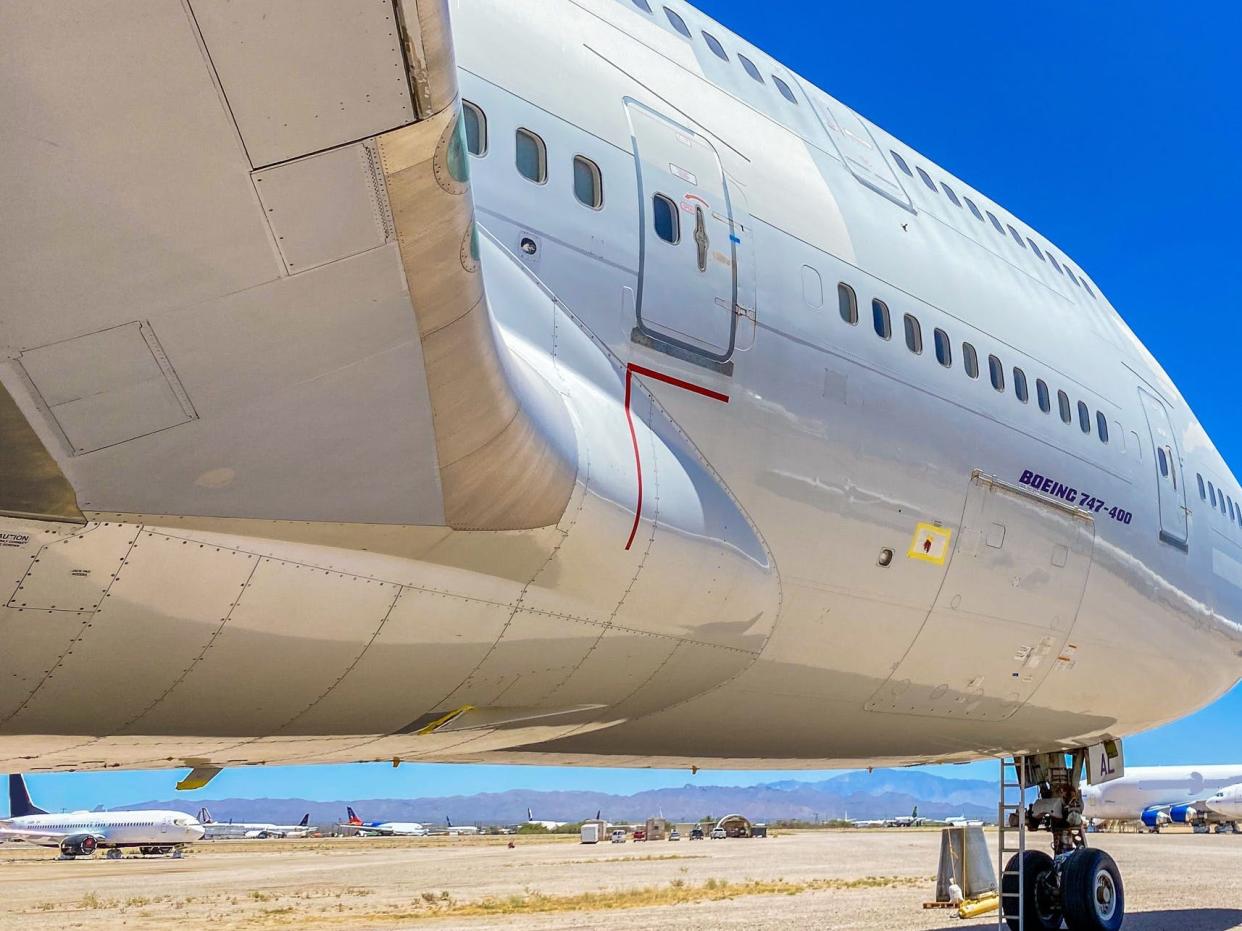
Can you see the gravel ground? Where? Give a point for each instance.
(1173, 882)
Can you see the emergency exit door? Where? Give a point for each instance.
(1170, 483)
(687, 287)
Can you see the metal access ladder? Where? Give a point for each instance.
(1012, 802)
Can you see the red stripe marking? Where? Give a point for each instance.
(630, 370)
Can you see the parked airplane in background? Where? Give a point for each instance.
(661, 408)
(81, 833)
(1227, 803)
(382, 828)
(1158, 795)
(546, 825)
(221, 829)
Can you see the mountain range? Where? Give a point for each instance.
(883, 793)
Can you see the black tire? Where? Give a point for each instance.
(1041, 906)
(1092, 895)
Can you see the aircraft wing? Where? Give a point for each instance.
(294, 328)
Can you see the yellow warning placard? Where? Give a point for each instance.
(930, 543)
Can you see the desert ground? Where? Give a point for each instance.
(863, 879)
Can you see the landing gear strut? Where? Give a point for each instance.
(1078, 885)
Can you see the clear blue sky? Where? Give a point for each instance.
(1114, 128)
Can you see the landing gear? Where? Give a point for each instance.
(114, 853)
(1091, 892)
(1041, 900)
(1077, 884)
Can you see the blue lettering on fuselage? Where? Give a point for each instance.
(1049, 486)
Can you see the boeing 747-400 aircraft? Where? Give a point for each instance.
(565, 382)
(81, 833)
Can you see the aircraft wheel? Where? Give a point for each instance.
(1041, 906)
(1092, 895)
(114, 853)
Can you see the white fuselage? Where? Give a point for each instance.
(395, 828)
(113, 828)
(256, 829)
(1227, 803)
(799, 459)
(1144, 788)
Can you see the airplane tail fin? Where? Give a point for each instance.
(448, 821)
(353, 818)
(19, 798)
(530, 815)
(204, 817)
(305, 822)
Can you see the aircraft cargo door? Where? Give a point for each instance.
(687, 285)
(1170, 483)
(1005, 610)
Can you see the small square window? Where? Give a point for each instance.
(970, 360)
(847, 303)
(532, 157)
(914, 335)
(880, 319)
(588, 183)
(665, 219)
(677, 22)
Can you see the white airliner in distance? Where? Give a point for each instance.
(382, 828)
(251, 829)
(565, 382)
(81, 833)
(1227, 803)
(1157, 795)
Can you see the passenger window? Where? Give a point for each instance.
(901, 163)
(667, 222)
(677, 22)
(1055, 264)
(1034, 248)
(847, 302)
(588, 183)
(880, 319)
(914, 335)
(948, 192)
(1041, 392)
(1084, 417)
(715, 46)
(1202, 487)
(927, 180)
(784, 89)
(1020, 387)
(532, 157)
(970, 359)
(998, 373)
(1164, 470)
(973, 209)
(1101, 426)
(1069, 273)
(476, 128)
(1211, 487)
(1088, 287)
(944, 348)
(997, 223)
(750, 67)
(1016, 238)
(643, 5)
(1064, 403)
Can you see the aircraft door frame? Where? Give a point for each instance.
(687, 302)
(1170, 477)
